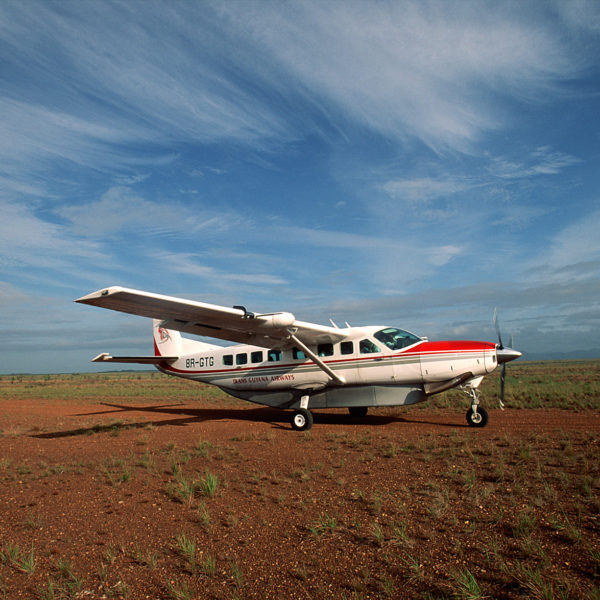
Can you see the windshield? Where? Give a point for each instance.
(396, 339)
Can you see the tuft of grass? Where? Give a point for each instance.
(532, 581)
(209, 565)
(204, 515)
(202, 448)
(179, 589)
(187, 547)
(378, 533)
(23, 561)
(208, 484)
(465, 586)
(323, 524)
(525, 525)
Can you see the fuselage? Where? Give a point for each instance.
(366, 356)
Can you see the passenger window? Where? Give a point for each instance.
(368, 347)
(274, 355)
(325, 349)
(256, 357)
(241, 359)
(228, 360)
(347, 347)
(298, 354)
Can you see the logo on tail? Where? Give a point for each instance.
(163, 335)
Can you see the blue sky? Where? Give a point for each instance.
(406, 163)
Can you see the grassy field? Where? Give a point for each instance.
(571, 384)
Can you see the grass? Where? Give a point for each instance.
(324, 524)
(465, 586)
(208, 484)
(187, 548)
(568, 384)
(179, 589)
(21, 560)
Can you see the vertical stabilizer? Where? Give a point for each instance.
(167, 342)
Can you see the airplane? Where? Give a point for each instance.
(281, 362)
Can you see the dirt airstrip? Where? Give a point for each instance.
(149, 499)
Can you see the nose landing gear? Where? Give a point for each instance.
(476, 415)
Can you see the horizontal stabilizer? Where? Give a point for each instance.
(142, 360)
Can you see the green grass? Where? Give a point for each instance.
(569, 384)
(187, 548)
(120, 387)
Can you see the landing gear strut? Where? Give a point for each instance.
(476, 415)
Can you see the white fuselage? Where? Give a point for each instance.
(360, 359)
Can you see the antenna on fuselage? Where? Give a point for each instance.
(333, 323)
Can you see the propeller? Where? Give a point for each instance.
(503, 355)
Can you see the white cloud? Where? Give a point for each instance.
(195, 265)
(422, 190)
(120, 208)
(542, 161)
(407, 68)
(112, 76)
(576, 245)
(26, 239)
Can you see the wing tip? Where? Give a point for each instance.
(101, 293)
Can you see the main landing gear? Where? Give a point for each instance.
(476, 415)
(302, 419)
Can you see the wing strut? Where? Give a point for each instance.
(337, 378)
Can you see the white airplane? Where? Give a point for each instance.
(289, 364)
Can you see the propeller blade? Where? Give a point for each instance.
(497, 327)
(502, 381)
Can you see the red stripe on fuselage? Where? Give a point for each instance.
(450, 347)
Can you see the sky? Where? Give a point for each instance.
(414, 164)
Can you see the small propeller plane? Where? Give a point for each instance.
(281, 362)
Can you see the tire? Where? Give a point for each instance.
(358, 411)
(302, 420)
(477, 420)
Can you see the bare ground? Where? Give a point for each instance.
(139, 499)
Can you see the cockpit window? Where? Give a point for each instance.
(396, 339)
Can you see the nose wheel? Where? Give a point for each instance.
(477, 416)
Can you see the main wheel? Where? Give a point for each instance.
(302, 420)
(477, 419)
(358, 411)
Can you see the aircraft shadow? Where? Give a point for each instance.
(183, 416)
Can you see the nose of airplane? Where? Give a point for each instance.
(505, 355)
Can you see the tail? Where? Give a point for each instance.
(168, 342)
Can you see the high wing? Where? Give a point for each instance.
(270, 330)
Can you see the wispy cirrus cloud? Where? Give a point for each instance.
(409, 69)
(570, 254)
(256, 73)
(541, 161)
(26, 239)
(121, 209)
